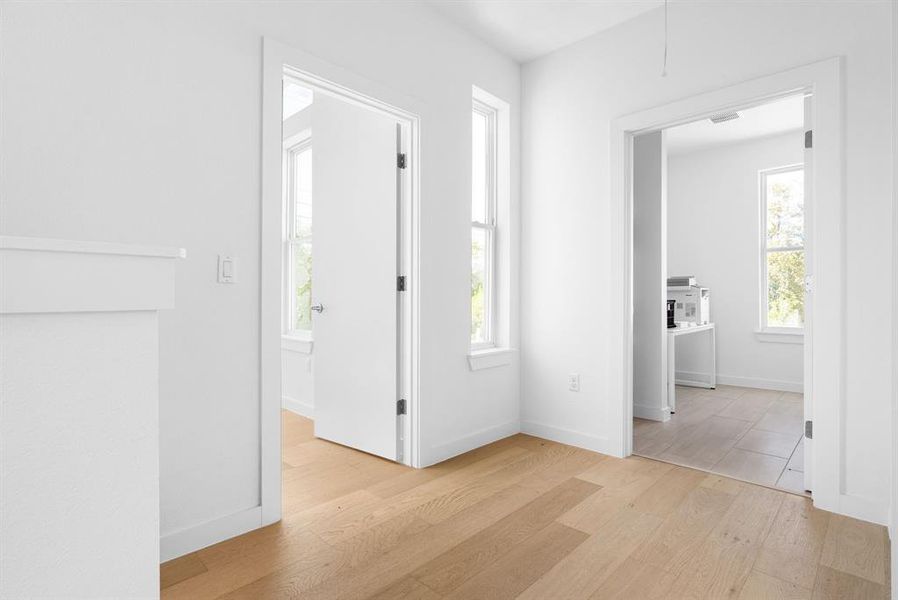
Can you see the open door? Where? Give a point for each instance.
(808, 286)
(650, 338)
(356, 186)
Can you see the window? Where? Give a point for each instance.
(483, 225)
(298, 237)
(782, 244)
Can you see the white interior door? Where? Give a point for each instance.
(809, 287)
(650, 368)
(354, 270)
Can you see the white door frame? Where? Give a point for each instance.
(827, 368)
(280, 60)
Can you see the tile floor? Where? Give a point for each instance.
(746, 433)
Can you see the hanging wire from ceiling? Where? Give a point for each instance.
(664, 67)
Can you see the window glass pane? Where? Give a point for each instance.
(785, 209)
(785, 288)
(302, 192)
(478, 281)
(302, 282)
(479, 140)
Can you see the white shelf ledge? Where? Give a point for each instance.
(8, 242)
(59, 276)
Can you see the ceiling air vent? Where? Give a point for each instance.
(722, 117)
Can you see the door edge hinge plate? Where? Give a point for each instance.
(401, 160)
(400, 283)
(809, 429)
(400, 407)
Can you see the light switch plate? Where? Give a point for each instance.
(227, 269)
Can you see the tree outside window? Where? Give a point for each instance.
(783, 261)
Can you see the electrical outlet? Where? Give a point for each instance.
(573, 382)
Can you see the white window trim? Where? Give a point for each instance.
(298, 344)
(294, 338)
(489, 228)
(489, 358)
(781, 335)
(766, 333)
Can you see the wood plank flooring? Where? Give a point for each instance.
(529, 518)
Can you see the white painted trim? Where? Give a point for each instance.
(780, 337)
(570, 437)
(827, 265)
(303, 409)
(189, 540)
(701, 380)
(491, 357)
(278, 60)
(469, 442)
(10, 242)
(65, 276)
(893, 509)
(652, 413)
(297, 344)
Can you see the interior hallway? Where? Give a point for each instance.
(529, 518)
(750, 434)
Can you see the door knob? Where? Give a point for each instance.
(318, 308)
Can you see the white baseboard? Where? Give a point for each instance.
(467, 443)
(205, 534)
(864, 509)
(568, 436)
(303, 409)
(651, 413)
(688, 378)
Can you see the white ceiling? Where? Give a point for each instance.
(768, 119)
(528, 29)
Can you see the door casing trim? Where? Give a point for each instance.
(280, 60)
(827, 383)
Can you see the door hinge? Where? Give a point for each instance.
(809, 138)
(401, 160)
(809, 429)
(400, 283)
(400, 407)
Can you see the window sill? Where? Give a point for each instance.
(489, 358)
(297, 343)
(780, 337)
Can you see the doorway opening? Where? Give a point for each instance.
(721, 217)
(339, 273)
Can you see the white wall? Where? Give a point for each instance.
(713, 233)
(297, 393)
(569, 101)
(141, 122)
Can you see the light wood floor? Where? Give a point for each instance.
(746, 433)
(527, 518)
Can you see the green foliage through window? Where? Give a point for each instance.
(784, 243)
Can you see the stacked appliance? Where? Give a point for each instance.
(691, 303)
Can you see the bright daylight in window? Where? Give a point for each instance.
(298, 259)
(483, 224)
(783, 258)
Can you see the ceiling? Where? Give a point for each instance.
(528, 29)
(780, 116)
